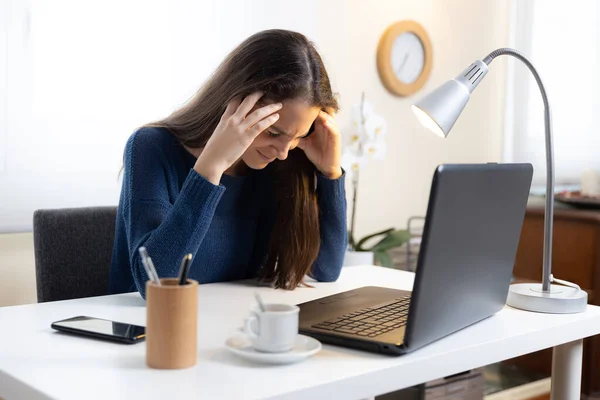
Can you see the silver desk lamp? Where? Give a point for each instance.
(438, 111)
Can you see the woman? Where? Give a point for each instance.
(246, 176)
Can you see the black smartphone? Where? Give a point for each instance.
(101, 329)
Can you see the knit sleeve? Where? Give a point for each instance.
(167, 230)
(331, 197)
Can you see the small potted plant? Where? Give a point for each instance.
(366, 140)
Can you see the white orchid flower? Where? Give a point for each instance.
(353, 138)
(375, 127)
(352, 162)
(365, 139)
(375, 149)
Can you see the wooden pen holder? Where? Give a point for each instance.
(171, 324)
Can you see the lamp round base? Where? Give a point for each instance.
(560, 299)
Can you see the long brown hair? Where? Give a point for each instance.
(284, 65)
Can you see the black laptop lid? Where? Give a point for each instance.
(470, 239)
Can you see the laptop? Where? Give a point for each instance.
(464, 269)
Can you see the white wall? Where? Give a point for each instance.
(17, 271)
(461, 31)
(76, 149)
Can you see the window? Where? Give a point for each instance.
(4, 18)
(83, 75)
(563, 43)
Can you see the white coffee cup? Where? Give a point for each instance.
(274, 330)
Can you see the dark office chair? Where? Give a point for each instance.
(73, 250)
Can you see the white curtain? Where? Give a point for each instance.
(4, 33)
(562, 40)
(78, 77)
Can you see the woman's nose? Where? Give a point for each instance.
(283, 149)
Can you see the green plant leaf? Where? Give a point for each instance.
(359, 245)
(383, 258)
(393, 239)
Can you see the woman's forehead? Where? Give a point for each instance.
(296, 117)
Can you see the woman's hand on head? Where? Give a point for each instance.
(323, 146)
(235, 132)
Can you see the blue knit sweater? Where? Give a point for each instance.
(166, 206)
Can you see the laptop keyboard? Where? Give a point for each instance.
(372, 321)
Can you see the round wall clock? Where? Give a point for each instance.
(404, 57)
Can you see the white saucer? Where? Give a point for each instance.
(304, 348)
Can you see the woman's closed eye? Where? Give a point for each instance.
(275, 134)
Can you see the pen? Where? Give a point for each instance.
(149, 265)
(185, 268)
(148, 272)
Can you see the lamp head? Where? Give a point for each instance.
(439, 110)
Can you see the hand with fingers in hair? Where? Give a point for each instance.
(235, 133)
(323, 146)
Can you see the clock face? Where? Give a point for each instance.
(404, 57)
(407, 57)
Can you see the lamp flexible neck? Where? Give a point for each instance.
(549, 215)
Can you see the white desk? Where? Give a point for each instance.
(37, 363)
